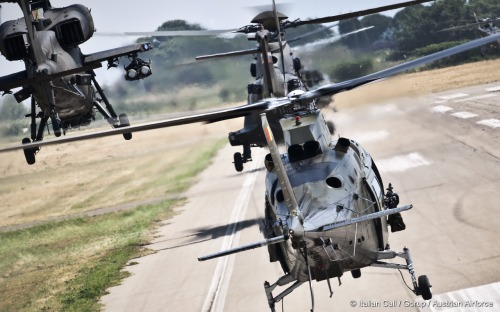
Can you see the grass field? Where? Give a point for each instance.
(67, 265)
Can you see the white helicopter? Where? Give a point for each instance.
(326, 212)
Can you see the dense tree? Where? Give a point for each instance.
(420, 26)
(412, 28)
(353, 41)
(380, 23)
(483, 9)
(413, 31)
(309, 33)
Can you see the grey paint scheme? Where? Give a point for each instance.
(360, 193)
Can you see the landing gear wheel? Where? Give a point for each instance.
(356, 273)
(238, 162)
(424, 287)
(125, 123)
(29, 153)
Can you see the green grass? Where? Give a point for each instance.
(68, 265)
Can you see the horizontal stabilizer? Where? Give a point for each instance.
(274, 240)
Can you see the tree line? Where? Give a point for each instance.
(412, 32)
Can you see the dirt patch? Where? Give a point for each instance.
(91, 175)
(415, 84)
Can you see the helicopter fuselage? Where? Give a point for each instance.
(333, 182)
(57, 32)
(74, 96)
(58, 78)
(281, 78)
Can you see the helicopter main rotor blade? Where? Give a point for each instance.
(340, 17)
(278, 28)
(227, 54)
(334, 38)
(90, 62)
(335, 88)
(270, 241)
(370, 216)
(35, 47)
(270, 103)
(317, 31)
(207, 117)
(470, 25)
(169, 33)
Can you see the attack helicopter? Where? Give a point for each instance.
(326, 212)
(485, 26)
(59, 79)
(276, 71)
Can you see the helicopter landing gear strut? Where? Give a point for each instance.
(421, 286)
(109, 113)
(240, 159)
(56, 123)
(29, 153)
(285, 279)
(54, 117)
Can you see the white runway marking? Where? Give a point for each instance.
(440, 102)
(476, 299)
(464, 115)
(453, 96)
(493, 89)
(493, 123)
(217, 293)
(402, 163)
(477, 97)
(441, 109)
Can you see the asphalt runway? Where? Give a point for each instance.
(441, 153)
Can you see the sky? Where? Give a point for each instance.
(148, 15)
